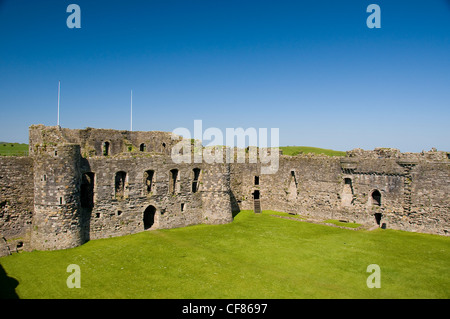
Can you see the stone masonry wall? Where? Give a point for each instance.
(57, 220)
(92, 140)
(133, 187)
(430, 200)
(71, 189)
(114, 215)
(413, 190)
(16, 200)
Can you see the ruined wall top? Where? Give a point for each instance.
(109, 142)
(101, 142)
(393, 153)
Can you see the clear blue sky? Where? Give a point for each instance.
(313, 69)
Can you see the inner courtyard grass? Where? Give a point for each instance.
(344, 224)
(255, 256)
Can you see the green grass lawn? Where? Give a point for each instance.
(256, 256)
(17, 149)
(13, 149)
(295, 150)
(338, 223)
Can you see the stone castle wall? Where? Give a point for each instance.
(131, 187)
(16, 200)
(413, 192)
(92, 141)
(86, 184)
(115, 215)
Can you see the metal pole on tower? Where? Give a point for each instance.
(59, 88)
(131, 115)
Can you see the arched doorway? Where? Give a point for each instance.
(149, 217)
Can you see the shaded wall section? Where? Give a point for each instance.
(16, 200)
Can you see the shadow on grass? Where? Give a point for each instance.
(235, 213)
(7, 286)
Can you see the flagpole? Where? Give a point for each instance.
(59, 88)
(131, 115)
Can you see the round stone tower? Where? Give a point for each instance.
(57, 213)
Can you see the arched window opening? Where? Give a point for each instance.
(106, 148)
(376, 198)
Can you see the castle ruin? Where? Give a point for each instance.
(83, 184)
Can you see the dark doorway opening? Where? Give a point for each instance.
(149, 217)
(87, 191)
(256, 202)
(378, 218)
(376, 198)
(347, 193)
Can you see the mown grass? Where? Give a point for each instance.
(344, 224)
(256, 256)
(295, 150)
(17, 149)
(13, 149)
(283, 214)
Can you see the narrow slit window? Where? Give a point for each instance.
(173, 181)
(195, 181)
(148, 180)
